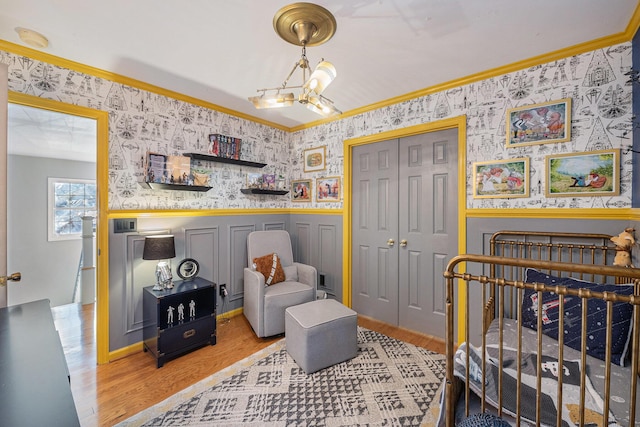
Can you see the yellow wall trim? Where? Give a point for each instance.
(626, 36)
(594, 213)
(622, 37)
(125, 351)
(218, 212)
(228, 315)
(93, 71)
(139, 346)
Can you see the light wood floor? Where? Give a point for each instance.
(107, 394)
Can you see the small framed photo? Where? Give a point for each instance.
(594, 173)
(315, 159)
(539, 123)
(268, 182)
(501, 178)
(328, 189)
(254, 180)
(301, 190)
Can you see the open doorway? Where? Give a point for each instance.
(101, 145)
(51, 169)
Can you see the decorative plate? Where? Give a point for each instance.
(188, 268)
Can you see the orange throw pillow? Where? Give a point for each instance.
(270, 267)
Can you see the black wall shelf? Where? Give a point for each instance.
(261, 191)
(209, 158)
(158, 186)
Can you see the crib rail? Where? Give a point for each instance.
(501, 279)
(576, 248)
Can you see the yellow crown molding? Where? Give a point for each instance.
(625, 36)
(634, 23)
(582, 213)
(118, 78)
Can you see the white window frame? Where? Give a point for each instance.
(53, 236)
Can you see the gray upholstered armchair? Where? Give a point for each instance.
(264, 306)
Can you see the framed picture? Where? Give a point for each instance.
(539, 123)
(315, 159)
(328, 189)
(301, 190)
(268, 182)
(594, 173)
(254, 180)
(501, 178)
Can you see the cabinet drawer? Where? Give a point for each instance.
(188, 334)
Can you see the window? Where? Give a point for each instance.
(69, 201)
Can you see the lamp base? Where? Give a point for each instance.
(164, 278)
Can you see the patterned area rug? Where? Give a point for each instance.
(389, 382)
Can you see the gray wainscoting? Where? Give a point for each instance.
(218, 243)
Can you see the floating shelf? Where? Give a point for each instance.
(210, 158)
(158, 186)
(261, 191)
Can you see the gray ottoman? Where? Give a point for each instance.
(320, 333)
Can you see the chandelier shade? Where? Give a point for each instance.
(321, 77)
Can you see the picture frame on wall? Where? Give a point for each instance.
(315, 159)
(593, 173)
(501, 178)
(541, 123)
(301, 190)
(328, 189)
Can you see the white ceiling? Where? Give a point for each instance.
(221, 51)
(43, 133)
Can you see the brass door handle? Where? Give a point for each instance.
(391, 242)
(403, 242)
(15, 277)
(189, 333)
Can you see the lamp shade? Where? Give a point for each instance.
(276, 100)
(159, 247)
(321, 77)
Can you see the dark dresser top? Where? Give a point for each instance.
(34, 379)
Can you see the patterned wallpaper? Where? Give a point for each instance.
(141, 121)
(602, 119)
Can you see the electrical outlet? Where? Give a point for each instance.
(223, 291)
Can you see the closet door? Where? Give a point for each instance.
(428, 228)
(374, 230)
(404, 228)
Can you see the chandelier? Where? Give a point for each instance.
(303, 24)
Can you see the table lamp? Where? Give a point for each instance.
(160, 248)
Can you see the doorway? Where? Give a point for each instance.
(101, 119)
(404, 223)
(52, 171)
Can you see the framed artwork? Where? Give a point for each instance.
(301, 190)
(539, 123)
(315, 159)
(328, 189)
(594, 173)
(254, 180)
(501, 178)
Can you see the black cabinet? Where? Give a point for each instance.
(179, 320)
